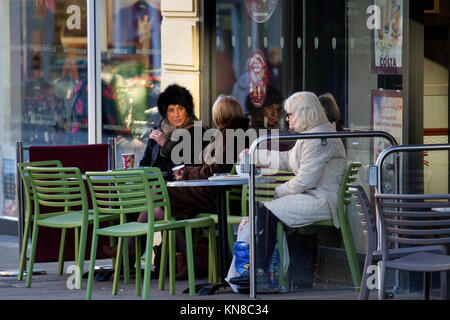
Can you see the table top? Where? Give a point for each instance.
(217, 182)
(207, 183)
(441, 209)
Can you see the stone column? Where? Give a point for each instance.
(180, 47)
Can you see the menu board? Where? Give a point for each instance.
(387, 115)
(387, 40)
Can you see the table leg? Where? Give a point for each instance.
(224, 252)
(224, 257)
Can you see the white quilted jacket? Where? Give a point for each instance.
(313, 193)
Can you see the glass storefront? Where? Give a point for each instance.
(44, 75)
(43, 61)
(319, 46)
(366, 53)
(131, 69)
(358, 51)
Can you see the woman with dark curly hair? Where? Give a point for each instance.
(176, 107)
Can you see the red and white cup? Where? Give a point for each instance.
(128, 160)
(178, 170)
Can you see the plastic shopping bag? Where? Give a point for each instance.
(242, 247)
(241, 259)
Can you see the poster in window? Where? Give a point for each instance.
(387, 38)
(387, 113)
(257, 78)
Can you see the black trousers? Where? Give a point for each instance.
(266, 237)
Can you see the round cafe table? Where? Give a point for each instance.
(221, 184)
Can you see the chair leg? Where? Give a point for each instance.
(126, 261)
(148, 265)
(444, 285)
(138, 266)
(92, 265)
(62, 245)
(32, 254)
(172, 263)
(213, 276)
(112, 243)
(381, 285)
(231, 238)
(81, 255)
(364, 291)
(426, 286)
(190, 260)
(163, 261)
(280, 251)
(117, 266)
(349, 245)
(77, 244)
(23, 251)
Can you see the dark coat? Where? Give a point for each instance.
(157, 156)
(189, 201)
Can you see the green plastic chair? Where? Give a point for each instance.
(29, 214)
(265, 192)
(125, 192)
(62, 189)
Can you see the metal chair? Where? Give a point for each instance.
(369, 228)
(62, 189)
(415, 220)
(29, 216)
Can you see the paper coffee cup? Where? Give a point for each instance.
(128, 160)
(178, 170)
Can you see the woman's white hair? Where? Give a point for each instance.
(307, 111)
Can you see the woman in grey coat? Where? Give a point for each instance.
(313, 192)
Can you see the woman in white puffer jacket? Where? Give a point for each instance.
(313, 192)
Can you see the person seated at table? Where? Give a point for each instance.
(312, 194)
(331, 108)
(176, 107)
(266, 119)
(267, 115)
(187, 202)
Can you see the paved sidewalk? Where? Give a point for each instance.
(54, 287)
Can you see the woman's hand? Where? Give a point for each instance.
(178, 175)
(158, 136)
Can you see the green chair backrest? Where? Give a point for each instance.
(57, 187)
(158, 190)
(24, 176)
(119, 193)
(344, 196)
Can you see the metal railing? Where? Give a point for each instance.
(251, 168)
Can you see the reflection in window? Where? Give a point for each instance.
(54, 61)
(131, 71)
